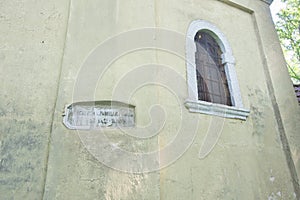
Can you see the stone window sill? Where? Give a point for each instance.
(216, 109)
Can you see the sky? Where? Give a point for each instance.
(275, 7)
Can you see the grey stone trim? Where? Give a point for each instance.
(216, 109)
(193, 104)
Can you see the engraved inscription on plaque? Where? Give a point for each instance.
(99, 114)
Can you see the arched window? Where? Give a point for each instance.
(211, 78)
(212, 83)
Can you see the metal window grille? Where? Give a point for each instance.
(211, 78)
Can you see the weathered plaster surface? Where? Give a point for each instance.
(31, 46)
(282, 94)
(80, 175)
(248, 161)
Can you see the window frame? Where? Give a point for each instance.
(237, 109)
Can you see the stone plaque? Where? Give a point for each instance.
(98, 115)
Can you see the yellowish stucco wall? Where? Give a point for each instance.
(44, 46)
(32, 36)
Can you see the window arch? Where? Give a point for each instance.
(212, 83)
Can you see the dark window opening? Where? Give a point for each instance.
(211, 77)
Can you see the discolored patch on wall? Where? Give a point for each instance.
(258, 100)
(22, 158)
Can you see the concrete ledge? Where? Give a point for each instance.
(216, 109)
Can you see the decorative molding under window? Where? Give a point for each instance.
(236, 111)
(216, 109)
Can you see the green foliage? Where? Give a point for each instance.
(288, 29)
